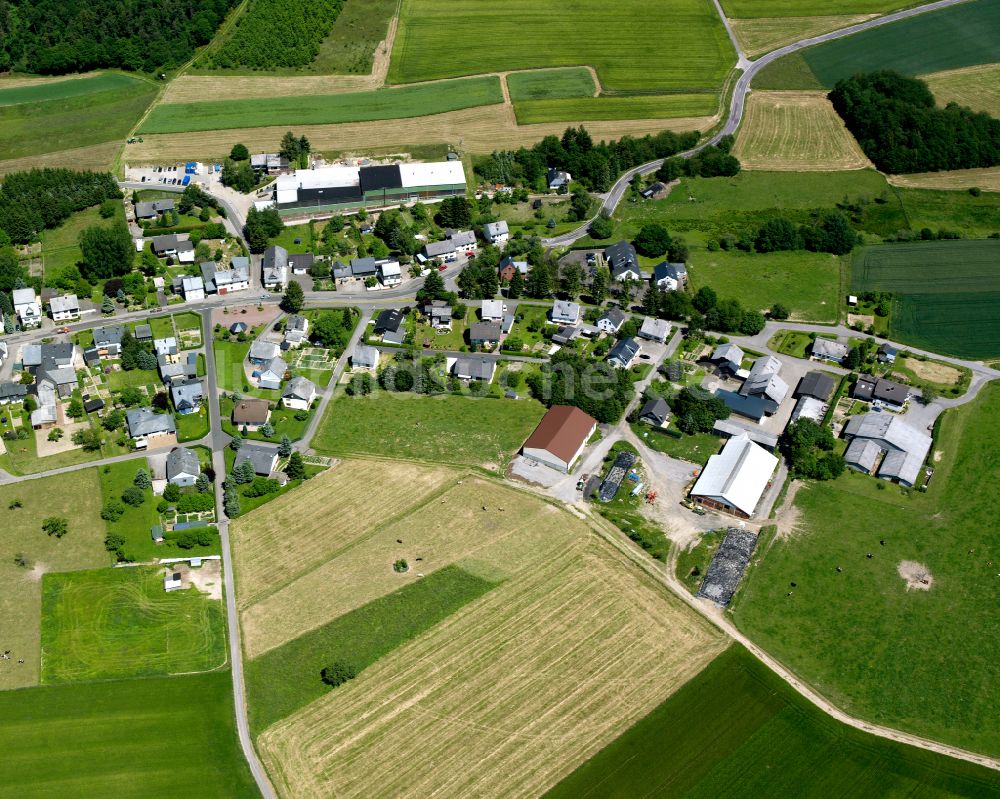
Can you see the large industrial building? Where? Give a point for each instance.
(338, 188)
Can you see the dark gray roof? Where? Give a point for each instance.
(275, 257)
(478, 368)
(484, 331)
(624, 351)
(300, 388)
(143, 422)
(622, 258)
(105, 336)
(615, 316)
(93, 405)
(262, 457)
(816, 384)
(389, 319)
(655, 408)
(301, 260)
(143, 332)
(363, 266)
(182, 460)
(13, 391)
(664, 269)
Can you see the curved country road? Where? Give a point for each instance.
(737, 105)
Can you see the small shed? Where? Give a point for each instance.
(157, 534)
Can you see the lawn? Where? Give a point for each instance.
(410, 101)
(807, 283)
(118, 623)
(74, 496)
(60, 247)
(281, 681)
(694, 448)
(796, 343)
(548, 84)
(922, 661)
(134, 378)
(694, 104)
(540, 33)
(953, 311)
(229, 360)
(453, 339)
(192, 426)
(693, 561)
(737, 730)
(445, 429)
(282, 419)
(132, 739)
(289, 234)
(22, 454)
(106, 112)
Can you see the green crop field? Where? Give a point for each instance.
(955, 311)
(959, 36)
(46, 118)
(117, 623)
(920, 660)
(448, 38)
(282, 680)
(166, 736)
(612, 108)
(409, 101)
(736, 730)
(446, 429)
(808, 8)
(548, 84)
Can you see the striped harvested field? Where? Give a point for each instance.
(796, 131)
(806, 8)
(199, 88)
(98, 157)
(975, 87)
(514, 690)
(985, 179)
(759, 35)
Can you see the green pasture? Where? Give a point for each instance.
(921, 661)
(410, 101)
(548, 84)
(693, 448)
(132, 739)
(960, 36)
(445, 429)
(60, 245)
(736, 730)
(101, 115)
(615, 107)
(66, 89)
(285, 679)
(117, 623)
(449, 38)
(952, 210)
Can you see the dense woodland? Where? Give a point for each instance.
(900, 129)
(55, 37)
(44, 198)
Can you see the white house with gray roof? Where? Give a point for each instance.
(271, 374)
(654, 329)
(299, 393)
(64, 308)
(27, 307)
(187, 395)
(183, 467)
(496, 233)
(275, 267)
(565, 312)
(263, 458)
(364, 356)
(474, 368)
(147, 428)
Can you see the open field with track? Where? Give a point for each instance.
(796, 131)
(543, 668)
(759, 35)
(737, 730)
(975, 87)
(922, 661)
(131, 739)
(97, 157)
(75, 497)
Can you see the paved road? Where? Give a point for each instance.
(737, 104)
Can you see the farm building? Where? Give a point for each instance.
(901, 446)
(881, 392)
(734, 480)
(335, 188)
(560, 437)
(808, 408)
(729, 428)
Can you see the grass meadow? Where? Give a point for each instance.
(954, 311)
(60, 245)
(524, 34)
(75, 496)
(444, 429)
(52, 117)
(549, 84)
(759, 35)
(616, 107)
(411, 101)
(132, 739)
(737, 730)
(285, 679)
(807, 8)
(922, 661)
(975, 87)
(118, 623)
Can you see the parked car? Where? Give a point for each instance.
(442, 268)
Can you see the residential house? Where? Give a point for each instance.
(46, 414)
(496, 233)
(236, 278)
(298, 393)
(340, 271)
(654, 329)
(455, 241)
(187, 395)
(484, 334)
(474, 368)
(183, 467)
(669, 277)
(12, 392)
(765, 384)
(880, 391)
(64, 308)
(27, 307)
(824, 349)
(611, 322)
(174, 367)
(151, 210)
(438, 314)
(301, 263)
(275, 267)
(817, 385)
(565, 312)
(262, 352)
(296, 331)
(251, 413)
(887, 353)
(389, 325)
(108, 340)
(362, 268)
(734, 480)
(901, 447)
(271, 374)
(493, 311)
(166, 347)
(655, 412)
(364, 357)
(623, 353)
(509, 267)
(49, 356)
(623, 261)
(263, 458)
(148, 428)
(560, 437)
(558, 180)
(171, 245)
(390, 273)
(269, 163)
(565, 334)
(193, 287)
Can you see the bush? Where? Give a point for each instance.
(337, 673)
(171, 493)
(112, 511)
(195, 537)
(261, 486)
(193, 503)
(55, 526)
(400, 566)
(134, 496)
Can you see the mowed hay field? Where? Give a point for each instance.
(614, 107)
(806, 8)
(514, 690)
(954, 311)
(985, 179)
(449, 38)
(98, 157)
(759, 35)
(975, 87)
(796, 131)
(75, 496)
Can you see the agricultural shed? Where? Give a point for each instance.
(560, 437)
(734, 480)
